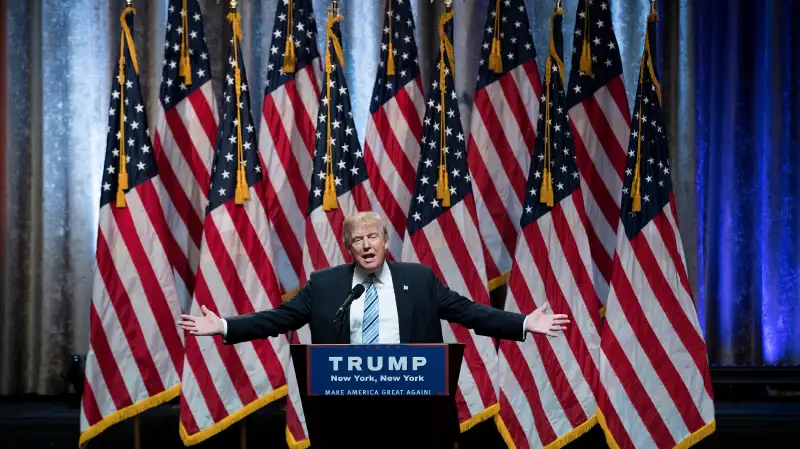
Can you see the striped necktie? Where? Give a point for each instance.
(370, 322)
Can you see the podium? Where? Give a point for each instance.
(379, 396)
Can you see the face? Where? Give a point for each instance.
(368, 246)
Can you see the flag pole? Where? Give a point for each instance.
(243, 422)
(243, 434)
(137, 434)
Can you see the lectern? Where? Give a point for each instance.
(379, 396)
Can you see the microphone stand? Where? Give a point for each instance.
(346, 313)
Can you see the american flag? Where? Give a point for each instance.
(222, 383)
(394, 128)
(339, 184)
(598, 107)
(443, 232)
(286, 144)
(502, 130)
(135, 353)
(186, 125)
(339, 187)
(547, 385)
(653, 364)
(286, 132)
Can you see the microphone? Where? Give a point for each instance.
(357, 291)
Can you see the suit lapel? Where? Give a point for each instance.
(344, 282)
(404, 304)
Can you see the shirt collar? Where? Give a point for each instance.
(380, 274)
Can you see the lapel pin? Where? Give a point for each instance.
(405, 287)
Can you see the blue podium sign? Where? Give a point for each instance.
(377, 370)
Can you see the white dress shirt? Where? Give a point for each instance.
(388, 323)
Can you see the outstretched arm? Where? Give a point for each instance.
(291, 315)
(492, 322)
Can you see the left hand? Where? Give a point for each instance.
(541, 323)
(208, 324)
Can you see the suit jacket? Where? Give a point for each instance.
(419, 309)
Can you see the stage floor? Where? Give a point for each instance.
(28, 423)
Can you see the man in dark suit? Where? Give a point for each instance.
(401, 303)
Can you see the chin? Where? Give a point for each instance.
(371, 265)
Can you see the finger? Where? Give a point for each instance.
(542, 308)
(204, 309)
(561, 321)
(560, 316)
(561, 328)
(550, 334)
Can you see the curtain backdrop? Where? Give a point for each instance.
(747, 140)
(732, 117)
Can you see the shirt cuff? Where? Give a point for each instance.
(224, 327)
(524, 328)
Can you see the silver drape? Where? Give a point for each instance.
(58, 72)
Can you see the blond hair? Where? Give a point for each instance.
(367, 218)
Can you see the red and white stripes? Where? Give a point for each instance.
(236, 276)
(502, 134)
(654, 367)
(286, 145)
(548, 384)
(452, 247)
(601, 126)
(135, 356)
(391, 156)
(184, 148)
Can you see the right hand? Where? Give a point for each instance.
(208, 324)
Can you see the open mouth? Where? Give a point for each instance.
(368, 257)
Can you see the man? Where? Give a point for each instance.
(402, 303)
